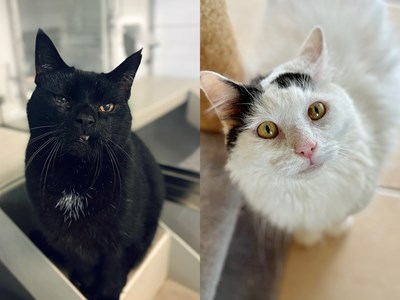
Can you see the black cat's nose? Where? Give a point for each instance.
(85, 120)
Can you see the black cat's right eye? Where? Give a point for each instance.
(60, 100)
(106, 108)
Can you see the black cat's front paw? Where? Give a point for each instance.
(85, 282)
(39, 239)
(115, 297)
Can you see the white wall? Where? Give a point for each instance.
(176, 35)
(129, 12)
(8, 84)
(177, 30)
(246, 17)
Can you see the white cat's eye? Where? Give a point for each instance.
(105, 108)
(316, 111)
(267, 130)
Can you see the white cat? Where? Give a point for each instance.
(307, 142)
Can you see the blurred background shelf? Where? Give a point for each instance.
(155, 96)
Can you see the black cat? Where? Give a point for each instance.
(95, 187)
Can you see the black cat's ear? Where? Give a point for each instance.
(124, 74)
(47, 58)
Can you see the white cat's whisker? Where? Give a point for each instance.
(250, 94)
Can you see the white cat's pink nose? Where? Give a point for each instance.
(305, 149)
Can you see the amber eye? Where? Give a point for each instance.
(106, 108)
(316, 111)
(267, 130)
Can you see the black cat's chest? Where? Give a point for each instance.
(87, 237)
(83, 178)
(82, 221)
(72, 191)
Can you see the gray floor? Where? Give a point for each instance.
(220, 203)
(10, 288)
(254, 262)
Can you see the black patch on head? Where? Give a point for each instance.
(232, 136)
(288, 79)
(257, 80)
(241, 109)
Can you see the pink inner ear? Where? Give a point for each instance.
(314, 46)
(315, 53)
(220, 94)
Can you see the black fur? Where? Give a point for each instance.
(240, 108)
(257, 80)
(287, 79)
(118, 181)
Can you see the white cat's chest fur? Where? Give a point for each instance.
(313, 204)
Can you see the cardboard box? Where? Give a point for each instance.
(170, 267)
(364, 264)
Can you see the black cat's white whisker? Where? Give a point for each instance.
(115, 163)
(44, 126)
(39, 137)
(97, 159)
(117, 167)
(46, 166)
(32, 157)
(123, 151)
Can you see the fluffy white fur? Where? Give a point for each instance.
(354, 62)
(72, 205)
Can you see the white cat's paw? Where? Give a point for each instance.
(341, 228)
(307, 238)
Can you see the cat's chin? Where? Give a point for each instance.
(79, 149)
(310, 171)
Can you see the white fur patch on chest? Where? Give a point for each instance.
(72, 205)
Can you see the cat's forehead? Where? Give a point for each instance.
(88, 84)
(282, 104)
(275, 101)
(87, 79)
(286, 79)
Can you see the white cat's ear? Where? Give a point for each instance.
(314, 52)
(314, 46)
(222, 94)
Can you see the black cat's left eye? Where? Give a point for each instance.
(60, 100)
(105, 108)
